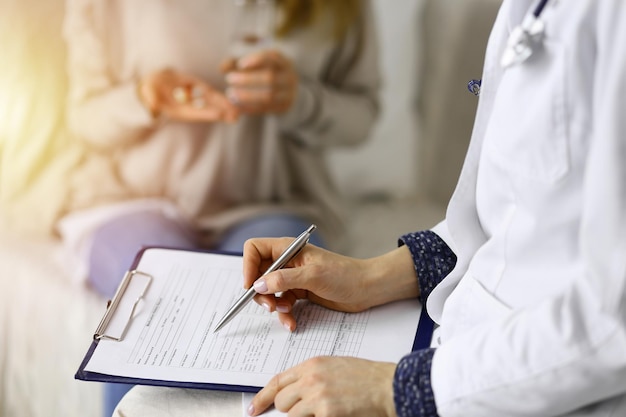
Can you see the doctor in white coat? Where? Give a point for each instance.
(529, 266)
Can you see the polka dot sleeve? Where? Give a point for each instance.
(412, 391)
(433, 259)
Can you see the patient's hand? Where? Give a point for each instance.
(184, 97)
(262, 82)
(324, 386)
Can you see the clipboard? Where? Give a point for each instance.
(131, 292)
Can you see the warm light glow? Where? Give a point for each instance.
(11, 111)
(31, 96)
(32, 103)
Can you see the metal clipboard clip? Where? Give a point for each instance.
(114, 304)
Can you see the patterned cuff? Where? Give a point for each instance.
(412, 391)
(432, 257)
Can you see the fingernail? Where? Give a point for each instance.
(282, 309)
(287, 326)
(251, 409)
(260, 286)
(267, 307)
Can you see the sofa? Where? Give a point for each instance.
(47, 317)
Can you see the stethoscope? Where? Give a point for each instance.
(522, 42)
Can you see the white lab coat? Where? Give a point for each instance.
(533, 317)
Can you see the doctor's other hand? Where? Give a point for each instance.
(326, 278)
(261, 82)
(324, 386)
(184, 97)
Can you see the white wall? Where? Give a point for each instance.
(386, 163)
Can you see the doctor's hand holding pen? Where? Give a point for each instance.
(326, 278)
(348, 386)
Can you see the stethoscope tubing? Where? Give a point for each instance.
(539, 8)
(523, 35)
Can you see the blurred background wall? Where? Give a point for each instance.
(430, 50)
(385, 165)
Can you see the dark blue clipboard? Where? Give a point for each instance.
(422, 340)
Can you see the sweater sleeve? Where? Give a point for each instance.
(102, 110)
(339, 106)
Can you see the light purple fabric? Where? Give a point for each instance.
(116, 243)
(275, 225)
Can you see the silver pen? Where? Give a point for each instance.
(289, 253)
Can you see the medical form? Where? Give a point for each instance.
(177, 298)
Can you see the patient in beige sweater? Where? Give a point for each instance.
(188, 142)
